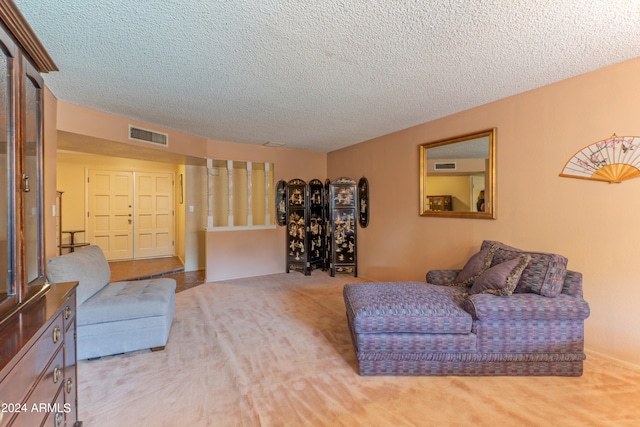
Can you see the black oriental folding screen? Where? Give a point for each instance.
(321, 221)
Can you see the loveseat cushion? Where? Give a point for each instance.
(88, 266)
(128, 300)
(405, 307)
(543, 275)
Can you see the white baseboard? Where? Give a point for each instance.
(624, 363)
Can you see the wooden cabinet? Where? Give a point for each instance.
(38, 375)
(439, 203)
(69, 387)
(22, 59)
(37, 320)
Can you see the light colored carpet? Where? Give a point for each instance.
(275, 351)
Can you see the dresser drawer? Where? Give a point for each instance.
(56, 417)
(69, 311)
(32, 364)
(39, 405)
(70, 375)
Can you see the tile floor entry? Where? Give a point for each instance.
(157, 267)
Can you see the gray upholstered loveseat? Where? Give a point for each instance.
(115, 317)
(507, 312)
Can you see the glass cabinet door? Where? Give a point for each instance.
(32, 178)
(22, 250)
(21, 179)
(6, 157)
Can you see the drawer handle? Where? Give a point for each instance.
(69, 385)
(67, 312)
(59, 419)
(56, 334)
(56, 374)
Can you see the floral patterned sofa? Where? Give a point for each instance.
(507, 312)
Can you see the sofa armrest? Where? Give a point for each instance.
(442, 277)
(525, 306)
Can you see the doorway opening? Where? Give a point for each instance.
(77, 154)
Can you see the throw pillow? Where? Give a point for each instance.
(501, 279)
(476, 265)
(543, 275)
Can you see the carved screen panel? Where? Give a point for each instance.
(343, 213)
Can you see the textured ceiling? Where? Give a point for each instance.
(319, 74)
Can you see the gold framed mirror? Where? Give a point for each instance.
(457, 176)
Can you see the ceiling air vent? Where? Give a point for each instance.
(273, 144)
(145, 135)
(440, 166)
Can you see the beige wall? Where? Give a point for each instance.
(97, 124)
(592, 223)
(194, 222)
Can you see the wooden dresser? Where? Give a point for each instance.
(38, 362)
(439, 203)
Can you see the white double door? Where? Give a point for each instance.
(131, 214)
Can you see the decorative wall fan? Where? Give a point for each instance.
(615, 159)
